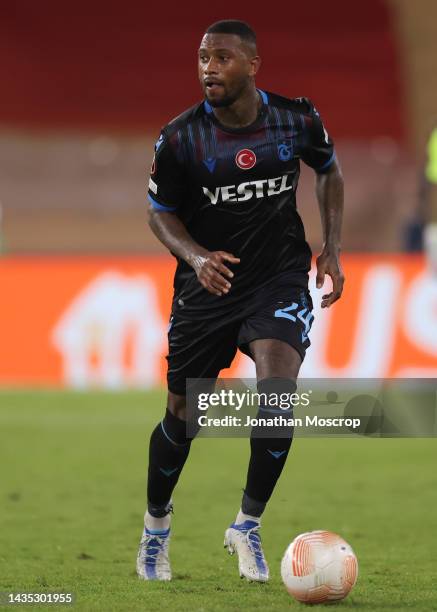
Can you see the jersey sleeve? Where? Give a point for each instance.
(318, 150)
(167, 183)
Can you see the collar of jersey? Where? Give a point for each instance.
(248, 128)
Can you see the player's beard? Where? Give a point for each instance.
(227, 99)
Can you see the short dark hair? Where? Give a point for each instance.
(233, 26)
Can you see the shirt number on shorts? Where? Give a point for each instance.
(304, 315)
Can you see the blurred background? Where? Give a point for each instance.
(85, 295)
(85, 288)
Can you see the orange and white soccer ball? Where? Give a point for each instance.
(319, 566)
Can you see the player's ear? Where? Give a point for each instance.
(255, 64)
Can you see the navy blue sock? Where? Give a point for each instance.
(269, 447)
(168, 452)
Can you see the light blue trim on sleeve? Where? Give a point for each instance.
(157, 206)
(327, 164)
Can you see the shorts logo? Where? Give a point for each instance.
(245, 159)
(305, 316)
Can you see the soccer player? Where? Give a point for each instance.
(222, 198)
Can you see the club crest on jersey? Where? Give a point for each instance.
(245, 159)
(285, 151)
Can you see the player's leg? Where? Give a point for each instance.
(277, 365)
(168, 450)
(197, 350)
(277, 368)
(276, 337)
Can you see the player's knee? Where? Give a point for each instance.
(177, 422)
(276, 359)
(177, 405)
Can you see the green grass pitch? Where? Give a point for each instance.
(72, 489)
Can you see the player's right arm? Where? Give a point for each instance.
(166, 194)
(209, 266)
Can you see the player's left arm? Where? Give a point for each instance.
(318, 153)
(329, 191)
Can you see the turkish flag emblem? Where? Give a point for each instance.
(245, 159)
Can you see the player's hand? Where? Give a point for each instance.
(329, 263)
(212, 273)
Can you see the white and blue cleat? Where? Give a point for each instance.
(152, 560)
(244, 539)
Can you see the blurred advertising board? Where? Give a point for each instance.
(100, 322)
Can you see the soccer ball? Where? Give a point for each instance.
(319, 566)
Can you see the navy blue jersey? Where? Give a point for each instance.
(235, 191)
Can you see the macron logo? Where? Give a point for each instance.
(246, 191)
